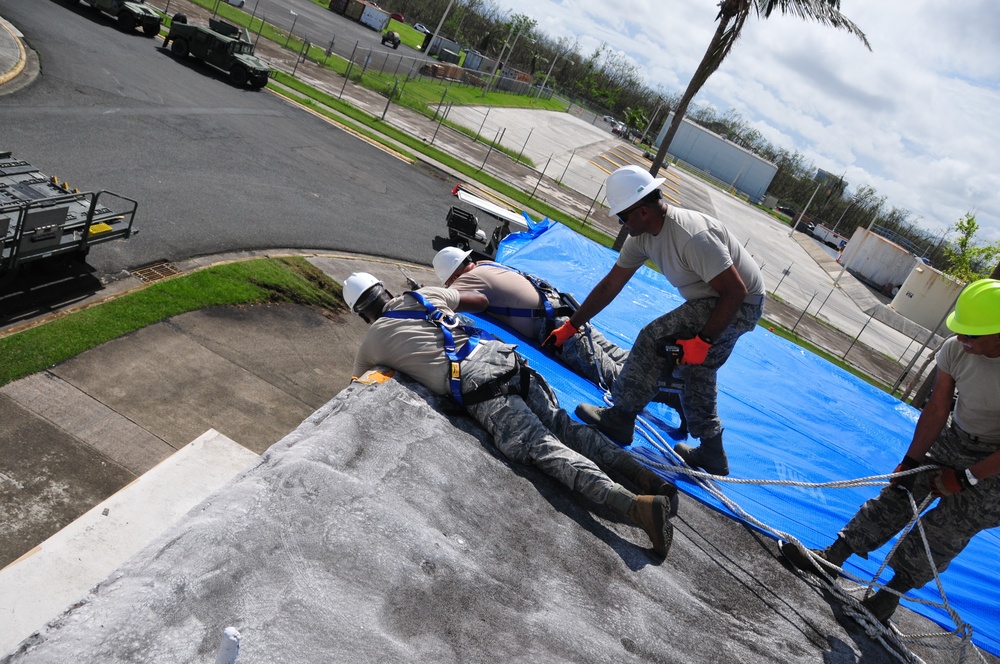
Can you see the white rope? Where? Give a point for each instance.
(894, 641)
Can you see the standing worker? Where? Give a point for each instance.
(419, 334)
(533, 308)
(965, 451)
(724, 293)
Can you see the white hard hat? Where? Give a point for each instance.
(361, 289)
(628, 185)
(447, 261)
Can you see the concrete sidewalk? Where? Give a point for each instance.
(100, 420)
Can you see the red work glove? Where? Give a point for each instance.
(559, 336)
(694, 349)
(908, 463)
(948, 481)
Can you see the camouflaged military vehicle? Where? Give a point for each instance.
(222, 45)
(130, 14)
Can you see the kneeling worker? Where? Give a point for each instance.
(724, 293)
(965, 447)
(418, 333)
(533, 308)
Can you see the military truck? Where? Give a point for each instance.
(42, 219)
(130, 14)
(222, 45)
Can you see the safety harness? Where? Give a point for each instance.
(568, 305)
(446, 324)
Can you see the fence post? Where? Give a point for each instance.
(872, 315)
(437, 111)
(525, 144)
(787, 271)
(392, 93)
(350, 65)
(329, 51)
(484, 122)
(302, 56)
(804, 312)
(438, 128)
(495, 140)
(592, 204)
(540, 175)
(572, 154)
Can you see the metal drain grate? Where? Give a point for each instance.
(155, 272)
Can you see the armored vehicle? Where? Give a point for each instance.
(130, 14)
(41, 219)
(222, 45)
(392, 37)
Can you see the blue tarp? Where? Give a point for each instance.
(788, 414)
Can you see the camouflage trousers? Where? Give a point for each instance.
(636, 384)
(532, 429)
(950, 525)
(590, 355)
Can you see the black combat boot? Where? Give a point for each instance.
(835, 554)
(709, 456)
(884, 603)
(616, 425)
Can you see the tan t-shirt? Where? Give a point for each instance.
(503, 288)
(977, 379)
(415, 347)
(691, 250)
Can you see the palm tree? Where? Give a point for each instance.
(732, 15)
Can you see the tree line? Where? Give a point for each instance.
(609, 83)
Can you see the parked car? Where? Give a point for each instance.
(236, 3)
(787, 211)
(420, 27)
(397, 17)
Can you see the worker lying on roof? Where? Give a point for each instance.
(419, 334)
(532, 307)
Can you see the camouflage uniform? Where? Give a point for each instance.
(949, 526)
(636, 385)
(532, 429)
(589, 354)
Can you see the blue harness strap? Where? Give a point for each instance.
(446, 324)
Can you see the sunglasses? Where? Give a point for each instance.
(623, 215)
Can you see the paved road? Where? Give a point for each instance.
(214, 167)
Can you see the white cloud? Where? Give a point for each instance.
(913, 117)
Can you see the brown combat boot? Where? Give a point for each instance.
(647, 481)
(652, 514)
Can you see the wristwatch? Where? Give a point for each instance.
(973, 480)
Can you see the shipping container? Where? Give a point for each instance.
(927, 296)
(374, 18)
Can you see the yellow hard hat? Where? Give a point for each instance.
(977, 311)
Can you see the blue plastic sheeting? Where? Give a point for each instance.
(788, 415)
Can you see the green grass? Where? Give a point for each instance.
(249, 282)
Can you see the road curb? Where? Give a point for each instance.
(16, 35)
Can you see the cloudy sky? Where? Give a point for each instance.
(912, 117)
